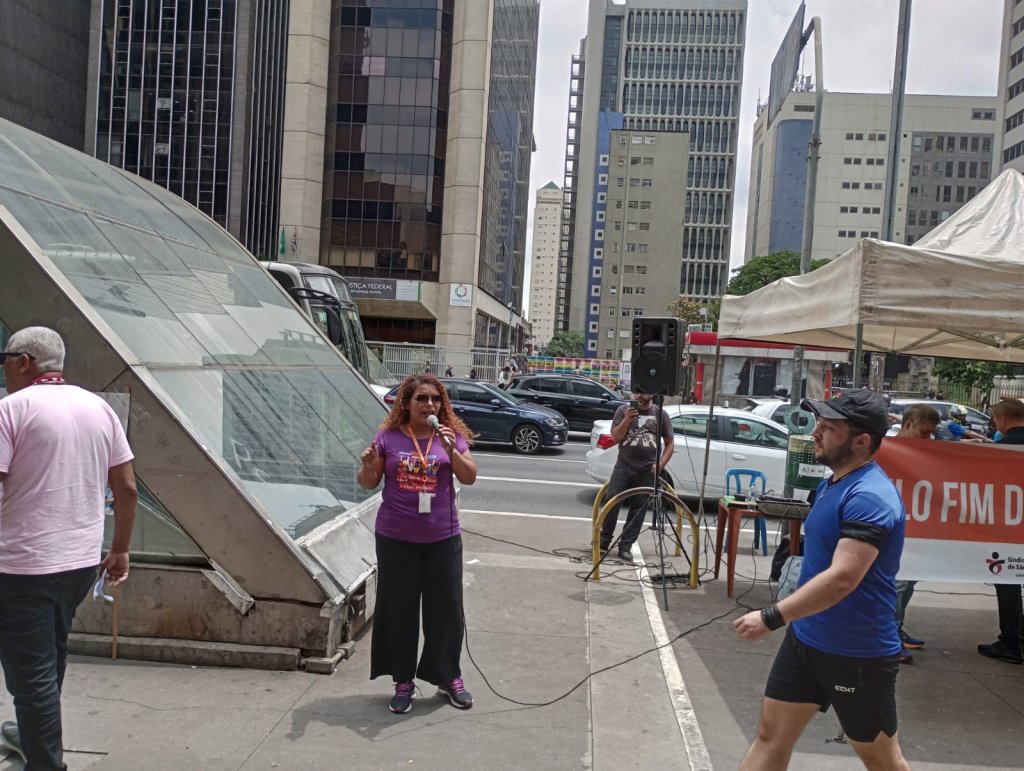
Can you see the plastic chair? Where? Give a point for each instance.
(740, 481)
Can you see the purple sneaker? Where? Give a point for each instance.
(457, 694)
(401, 702)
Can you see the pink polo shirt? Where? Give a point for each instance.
(57, 443)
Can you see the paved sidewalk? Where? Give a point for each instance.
(536, 630)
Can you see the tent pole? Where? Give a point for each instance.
(711, 417)
(858, 352)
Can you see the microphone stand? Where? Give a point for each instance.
(657, 509)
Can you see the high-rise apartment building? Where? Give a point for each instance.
(1010, 153)
(547, 212)
(946, 157)
(429, 141)
(671, 66)
(190, 94)
(44, 50)
(638, 219)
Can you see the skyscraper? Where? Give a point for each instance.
(414, 202)
(44, 48)
(547, 211)
(1011, 87)
(190, 94)
(670, 66)
(946, 157)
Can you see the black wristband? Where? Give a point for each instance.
(772, 617)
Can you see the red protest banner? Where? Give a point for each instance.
(957, 491)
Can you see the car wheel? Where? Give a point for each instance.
(527, 439)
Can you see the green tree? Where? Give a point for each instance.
(567, 342)
(971, 374)
(688, 310)
(762, 271)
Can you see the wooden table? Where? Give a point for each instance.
(731, 514)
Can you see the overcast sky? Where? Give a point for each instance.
(954, 48)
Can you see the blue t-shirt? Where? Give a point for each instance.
(862, 624)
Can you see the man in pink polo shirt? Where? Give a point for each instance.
(60, 446)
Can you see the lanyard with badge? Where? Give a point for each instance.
(425, 497)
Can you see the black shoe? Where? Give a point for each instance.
(909, 641)
(456, 693)
(626, 555)
(999, 650)
(10, 739)
(401, 702)
(906, 658)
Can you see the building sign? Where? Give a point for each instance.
(461, 295)
(785, 65)
(383, 289)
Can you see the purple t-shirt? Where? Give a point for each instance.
(404, 480)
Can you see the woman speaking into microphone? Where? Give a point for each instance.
(420, 449)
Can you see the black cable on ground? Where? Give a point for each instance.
(739, 605)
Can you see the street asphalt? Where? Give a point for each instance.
(563, 670)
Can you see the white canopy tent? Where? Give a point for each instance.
(957, 293)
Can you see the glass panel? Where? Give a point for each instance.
(751, 432)
(156, 537)
(19, 150)
(549, 385)
(172, 303)
(694, 425)
(592, 390)
(284, 435)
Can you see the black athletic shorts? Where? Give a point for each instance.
(862, 691)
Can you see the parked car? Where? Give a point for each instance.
(578, 399)
(976, 420)
(497, 417)
(738, 439)
(775, 410)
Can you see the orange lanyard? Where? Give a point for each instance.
(416, 444)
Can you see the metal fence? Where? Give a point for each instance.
(947, 391)
(404, 359)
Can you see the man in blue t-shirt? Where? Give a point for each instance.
(843, 647)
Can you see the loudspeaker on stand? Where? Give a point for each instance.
(657, 356)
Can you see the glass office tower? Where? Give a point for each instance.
(190, 94)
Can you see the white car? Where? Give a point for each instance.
(739, 439)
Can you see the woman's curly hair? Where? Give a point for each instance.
(399, 414)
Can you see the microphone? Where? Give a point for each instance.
(435, 425)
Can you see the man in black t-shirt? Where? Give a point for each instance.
(1008, 416)
(636, 433)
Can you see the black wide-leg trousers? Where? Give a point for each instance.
(411, 576)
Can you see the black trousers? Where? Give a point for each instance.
(35, 619)
(624, 478)
(1011, 610)
(411, 576)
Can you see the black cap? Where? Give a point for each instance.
(863, 407)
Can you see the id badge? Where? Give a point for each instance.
(425, 503)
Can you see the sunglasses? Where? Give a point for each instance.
(427, 398)
(15, 354)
